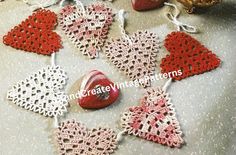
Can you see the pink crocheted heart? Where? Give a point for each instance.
(136, 58)
(86, 29)
(74, 138)
(154, 120)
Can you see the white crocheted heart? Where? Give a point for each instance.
(138, 58)
(88, 28)
(75, 139)
(41, 92)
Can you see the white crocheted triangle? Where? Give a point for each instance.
(41, 92)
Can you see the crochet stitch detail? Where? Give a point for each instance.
(35, 34)
(87, 30)
(154, 119)
(187, 55)
(74, 138)
(138, 59)
(41, 92)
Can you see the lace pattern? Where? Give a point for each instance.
(154, 119)
(136, 59)
(88, 28)
(35, 34)
(41, 92)
(187, 55)
(74, 138)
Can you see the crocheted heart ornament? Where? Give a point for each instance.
(74, 138)
(136, 59)
(187, 55)
(87, 29)
(41, 92)
(35, 34)
(154, 120)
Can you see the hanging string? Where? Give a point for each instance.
(167, 84)
(56, 122)
(53, 59)
(173, 17)
(39, 5)
(120, 136)
(77, 2)
(121, 19)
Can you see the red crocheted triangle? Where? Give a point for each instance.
(188, 55)
(35, 34)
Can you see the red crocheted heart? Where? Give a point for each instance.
(35, 34)
(188, 55)
(154, 120)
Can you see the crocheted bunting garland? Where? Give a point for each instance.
(35, 34)
(138, 59)
(41, 92)
(154, 119)
(187, 55)
(74, 138)
(87, 30)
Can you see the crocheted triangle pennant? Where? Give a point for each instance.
(154, 119)
(35, 34)
(136, 59)
(88, 28)
(41, 92)
(187, 55)
(74, 138)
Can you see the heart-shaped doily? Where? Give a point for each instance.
(187, 55)
(138, 58)
(35, 34)
(100, 91)
(41, 92)
(154, 119)
(75, 139)
(88, 28)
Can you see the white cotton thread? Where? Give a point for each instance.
(62, 3)
(120, 136)
(53, 59)
(56, 122)
(167, 84)
(121, 19)
(173, 17)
